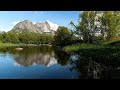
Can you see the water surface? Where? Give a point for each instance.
(39, 62)
(46, 62)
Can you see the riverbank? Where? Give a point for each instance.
(11, 44)
(7, 44)
(77, 47)
(104, 54)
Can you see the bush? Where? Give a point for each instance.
(62, 37)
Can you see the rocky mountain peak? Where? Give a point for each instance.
(45, 27)
(28, 26)
(27, 21)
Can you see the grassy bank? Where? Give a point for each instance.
(6, 44)
(106, 54)
(11, 44)
(76, 47)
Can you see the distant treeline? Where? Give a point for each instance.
(62, 37)
(26, 38)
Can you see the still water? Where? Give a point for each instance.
(39, 62)
(46, 62)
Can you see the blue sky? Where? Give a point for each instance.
(9, 18)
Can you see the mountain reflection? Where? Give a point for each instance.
(35, 55)
(46, 59)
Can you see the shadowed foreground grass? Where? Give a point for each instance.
(99, 63)
(106, 54)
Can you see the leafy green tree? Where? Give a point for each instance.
(110, 24)
(12, 38)
(4, 37)
(104, 23)
(62, 36)
(0, 37)
(86, 27)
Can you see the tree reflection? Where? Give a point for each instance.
(96, 64)
(41, 55)
(61, 56)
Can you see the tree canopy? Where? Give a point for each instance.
(98, 24)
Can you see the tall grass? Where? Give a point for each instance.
(76, 47)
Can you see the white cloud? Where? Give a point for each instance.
(16, 64)
(52, 25)
(15, 22)
(34, 22)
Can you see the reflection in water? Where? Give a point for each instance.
(96, 64)
(42, 55)
(62, 57)
(83, 64)
(42, 62)
(36, 58)
(88, 69)
(33, 56)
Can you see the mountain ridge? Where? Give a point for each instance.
(28, 26)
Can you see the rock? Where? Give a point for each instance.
(19, 49)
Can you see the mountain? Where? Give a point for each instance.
(44, 27)
(28, 26)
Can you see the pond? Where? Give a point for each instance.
(35, 62)
(47, 62)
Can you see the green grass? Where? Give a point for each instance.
(6, 44)
(76, 47)
(104, 57)
(105, 54)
